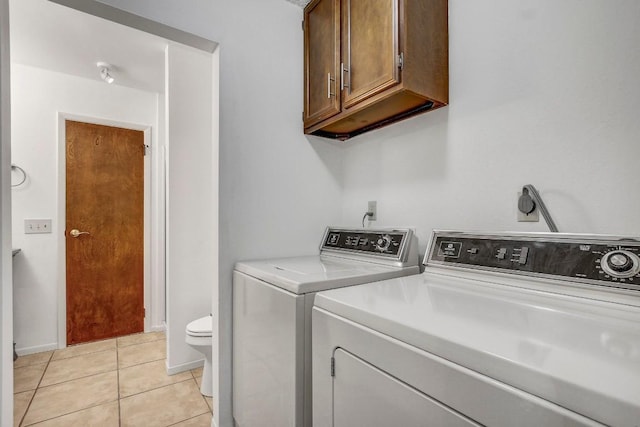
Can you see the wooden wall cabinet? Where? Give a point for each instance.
(369, 63)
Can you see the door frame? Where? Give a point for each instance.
(62, 258)
(6, 267)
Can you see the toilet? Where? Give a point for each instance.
(199, 336)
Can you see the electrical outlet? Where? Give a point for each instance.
(532, 217)
(372, 206)
(37, 226)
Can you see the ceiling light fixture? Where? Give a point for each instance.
(105, 72)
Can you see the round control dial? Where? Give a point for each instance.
(620, 264)
(383, 243)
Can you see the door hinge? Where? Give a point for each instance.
(401, 61)
(303, 25)
(333, 366)
(146, 148)
(144, 313)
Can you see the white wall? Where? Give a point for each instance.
(37, 98)
(158, 218)
(6, 292)
(191, 176)
(543, 93)
(278, 189)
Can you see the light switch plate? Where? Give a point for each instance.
(37, 226)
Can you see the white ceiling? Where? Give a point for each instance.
(301, 3)
(58, 38)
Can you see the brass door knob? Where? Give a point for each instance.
(76, 233)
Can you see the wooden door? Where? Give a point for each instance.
(321, 60)
(369, 48)
(105, 199)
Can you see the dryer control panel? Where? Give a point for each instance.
(386, 243)
(603, 260)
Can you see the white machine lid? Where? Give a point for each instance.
(348, 256)
(201, 327)
(583, 354)
(314, 273)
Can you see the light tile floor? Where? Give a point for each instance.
(116, 382)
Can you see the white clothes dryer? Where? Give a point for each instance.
(523, 329)
(272, 302)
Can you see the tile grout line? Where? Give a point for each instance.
(208, 411)
(141, 363)
(118, 382)
(83, 354)
(203, 396)
(120, 398)
(205, 401)
(191, 418)
(138, 343)
(35, 390)
(69, 413)
(156, 388)
(50, 360)
(39, 387)
(74, 379)
(146, 361)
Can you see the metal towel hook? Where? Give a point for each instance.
(24, 175)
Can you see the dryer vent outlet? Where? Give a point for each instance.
(533, 216)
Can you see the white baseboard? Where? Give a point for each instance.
(36, 349)
(158, 328)
(54, 346)
(172, 370)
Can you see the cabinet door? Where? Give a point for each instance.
(369, 48)
(321, 60)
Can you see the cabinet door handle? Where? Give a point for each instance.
(342, 83)
(329, 80)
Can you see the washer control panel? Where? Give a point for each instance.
(605, 260)
(621, 263)
(383, 242)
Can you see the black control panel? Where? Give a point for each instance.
(381, 242)
(609, 262)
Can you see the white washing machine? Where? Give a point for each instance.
(538, 329)
(272, 302)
